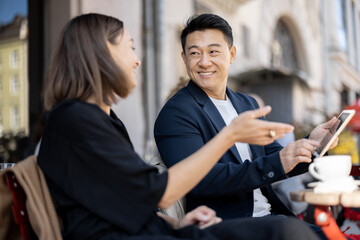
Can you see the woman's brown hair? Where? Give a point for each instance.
(82, 66)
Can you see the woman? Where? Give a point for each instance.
(101, 187)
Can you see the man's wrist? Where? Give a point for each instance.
(230, 136)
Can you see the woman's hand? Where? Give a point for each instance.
(201, 216)
(247, 128)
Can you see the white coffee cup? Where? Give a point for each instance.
(330, 168)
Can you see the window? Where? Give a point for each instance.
(14, 85)
(283, 52)
(344, 95)
(14, 117)
(357, 95)
(14, 59)
(14, 102)
(341, 24)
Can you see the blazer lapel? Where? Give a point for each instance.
(256, 150)
(241, 106)
(239, 103)
(210, 109)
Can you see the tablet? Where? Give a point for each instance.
(333, 132)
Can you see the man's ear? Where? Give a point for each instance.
(183, 56)
(232, 54)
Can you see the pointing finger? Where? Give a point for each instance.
(260, 112)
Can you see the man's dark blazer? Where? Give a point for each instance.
(187, 122)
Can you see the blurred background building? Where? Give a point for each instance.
(301, 56)
(14, 118)
(14, 77)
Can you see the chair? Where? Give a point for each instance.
(349, 213)
(177, 210)
(19, 208)
(24, 190)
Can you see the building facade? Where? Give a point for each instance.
(300, 56)
(342, 66)
(14, 78)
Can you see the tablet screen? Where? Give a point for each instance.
(333, 132)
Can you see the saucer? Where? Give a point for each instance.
(347, 184)
(314, 184)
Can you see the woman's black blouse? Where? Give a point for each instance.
(99, 184)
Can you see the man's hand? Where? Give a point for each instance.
(247, 128)
(201, 216)
(319, 132)
(297, 152)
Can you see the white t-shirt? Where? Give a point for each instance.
(261, 205)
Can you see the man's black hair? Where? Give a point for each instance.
(207, 21)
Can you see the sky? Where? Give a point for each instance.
(9, 8)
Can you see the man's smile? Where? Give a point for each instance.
(206, 73)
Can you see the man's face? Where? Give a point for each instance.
(207, 58)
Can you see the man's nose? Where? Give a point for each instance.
(205, 61)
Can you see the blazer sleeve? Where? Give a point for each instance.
(179, 131)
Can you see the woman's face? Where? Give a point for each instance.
(123, 53)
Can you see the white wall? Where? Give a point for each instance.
(58, 13)
(129, 110)
(175, 17)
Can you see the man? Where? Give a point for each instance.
(240, 183)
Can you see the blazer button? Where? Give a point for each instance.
(248, 215)
(271, 174)
(265, 177)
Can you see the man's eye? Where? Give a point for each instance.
(194, 53)
(214, 51)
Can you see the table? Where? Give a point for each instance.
(323, 215)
